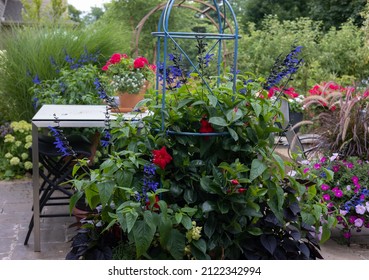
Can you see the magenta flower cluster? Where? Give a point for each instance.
(342, 184)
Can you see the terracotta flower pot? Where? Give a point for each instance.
(128, 101)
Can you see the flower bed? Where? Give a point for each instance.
(342, 185)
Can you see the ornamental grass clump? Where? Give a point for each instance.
(340, 117)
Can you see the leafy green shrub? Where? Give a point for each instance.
(339, 54)
(73, 86)
(15, 141)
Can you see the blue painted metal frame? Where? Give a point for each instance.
(164, 34)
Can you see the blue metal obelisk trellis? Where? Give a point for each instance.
(215, 42)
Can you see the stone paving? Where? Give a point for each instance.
(15, 214)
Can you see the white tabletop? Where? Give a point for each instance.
(78, 115)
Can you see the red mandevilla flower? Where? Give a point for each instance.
(205, 126)
(161, 157)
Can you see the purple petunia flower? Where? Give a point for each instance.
(352, 219)
(338, 193)
(317, 166)
(350, 165)
(326, 197)
(323, 159)
(360, 209)
(347, 234)
(325, 187)
(336, 168)
(358, 222)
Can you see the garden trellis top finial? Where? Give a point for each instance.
(215, 41)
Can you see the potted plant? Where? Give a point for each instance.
(127, 78)
(341, 184)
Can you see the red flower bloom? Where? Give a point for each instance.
(115, 58)
(291, 92)
(234, 182)
(106, 67)
(205, 126)
(155, 206)
(241, 190)
(161, 157)
(140, 62)
(272, 91)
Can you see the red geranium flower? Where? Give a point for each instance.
(140, 62)
(115, 58)
(161, 157)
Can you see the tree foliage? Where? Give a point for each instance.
(332, 13)
(39, 11)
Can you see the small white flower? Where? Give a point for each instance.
(333, 157)
(360, 209)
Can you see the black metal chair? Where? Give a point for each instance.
(56, 171)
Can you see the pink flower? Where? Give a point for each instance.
(336, 168)
(325, 187)
(355, 180)
(317, 166)
(350, 165)
(326, 197)
(347, 235)
(306, 170)
(338, 193)
(352, 219)
(323, 159)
